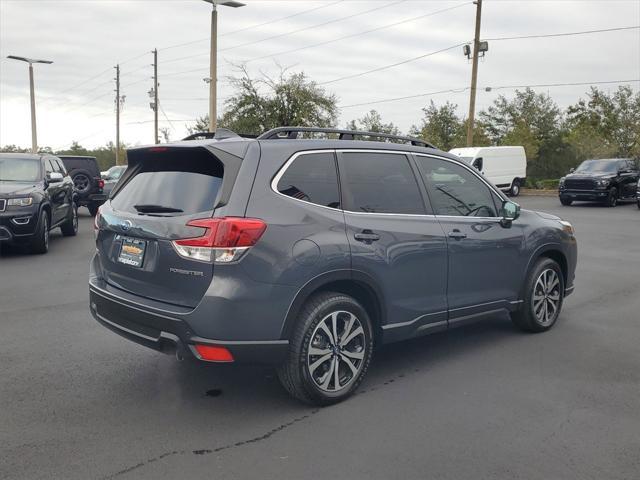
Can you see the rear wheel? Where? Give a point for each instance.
(514, 191)
(70, 227)
(40, 243)
(329, 351)
(612, 198)
(566, 201)
(544, 293)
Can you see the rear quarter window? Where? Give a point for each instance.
(312, 177)
(188, 181)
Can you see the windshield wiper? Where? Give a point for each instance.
(151, 208)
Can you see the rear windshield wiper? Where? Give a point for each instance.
(151, 208)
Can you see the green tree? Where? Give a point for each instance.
(260, 104)
(201, 125)
(608, 123)
(372, 122)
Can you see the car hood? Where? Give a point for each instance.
(17, 188)
(547, 216)
(599, 176)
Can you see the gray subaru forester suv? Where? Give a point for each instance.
(306, 253)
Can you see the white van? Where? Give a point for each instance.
(505, 167)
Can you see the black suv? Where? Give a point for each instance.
(36, 196)
(85, 173)
(606, 181)
(306, 253)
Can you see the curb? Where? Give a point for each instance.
(538, 193)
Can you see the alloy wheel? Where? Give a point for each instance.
(336, 351)
(46, 233)
(546, 297)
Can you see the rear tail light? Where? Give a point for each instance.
(213, 353)
(100, 183)
(224, 240)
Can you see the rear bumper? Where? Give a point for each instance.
(94, 198)
(167, 333)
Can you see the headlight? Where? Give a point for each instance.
(567, 227)
(602, 183)
(561, 182)
(20, 202)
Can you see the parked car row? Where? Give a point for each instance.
(39, 193)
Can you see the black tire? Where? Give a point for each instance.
(514, 191)
(40, 242)
(526, 318)
(70, 227)
(612, 198)
(82, 181)
(566, 201)
(638, 204)
(297, 374)
(93, 209)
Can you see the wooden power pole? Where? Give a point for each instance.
(474, 74)
(155, 96)
(118, 115)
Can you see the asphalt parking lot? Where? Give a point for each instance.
(483, 401)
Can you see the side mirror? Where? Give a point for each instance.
(54, 177)
(510, 211)
(477, 164)
(571, 170)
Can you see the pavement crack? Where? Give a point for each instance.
(208, 451)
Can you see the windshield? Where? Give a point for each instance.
(19, 169)
(598, 166)
(114, 173)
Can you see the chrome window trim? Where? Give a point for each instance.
(287, 164)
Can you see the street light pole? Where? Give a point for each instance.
(34, 133)
(213, 60)
(213, 70)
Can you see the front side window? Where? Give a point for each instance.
(379, 183)
(313, 178)
(455, 191)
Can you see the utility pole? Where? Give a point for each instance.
(118, 115)
(213, 70)
(474, 73)
(155, 96)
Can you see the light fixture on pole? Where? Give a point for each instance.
(34, 134)
(213, 59)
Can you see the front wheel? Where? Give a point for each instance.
(329, 351)
(544, 293)
(70, 227)
(40, 243)
(612, 198)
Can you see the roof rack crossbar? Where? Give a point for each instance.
(292, 133)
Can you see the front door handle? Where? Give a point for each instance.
(366, 236)
(457, 234)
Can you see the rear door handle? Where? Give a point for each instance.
(457, 234)
(366, 236)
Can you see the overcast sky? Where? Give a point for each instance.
(86, 38)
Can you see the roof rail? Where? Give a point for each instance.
(292, 133)
(219, 134)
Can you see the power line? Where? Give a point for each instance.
(252, 26)
(564, 34)
(502, 87)
(385, 67)
(409, 60)
(389, 25)
(280, 35)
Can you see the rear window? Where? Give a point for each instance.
(86, 163)
(172, 184)
(312, 177)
